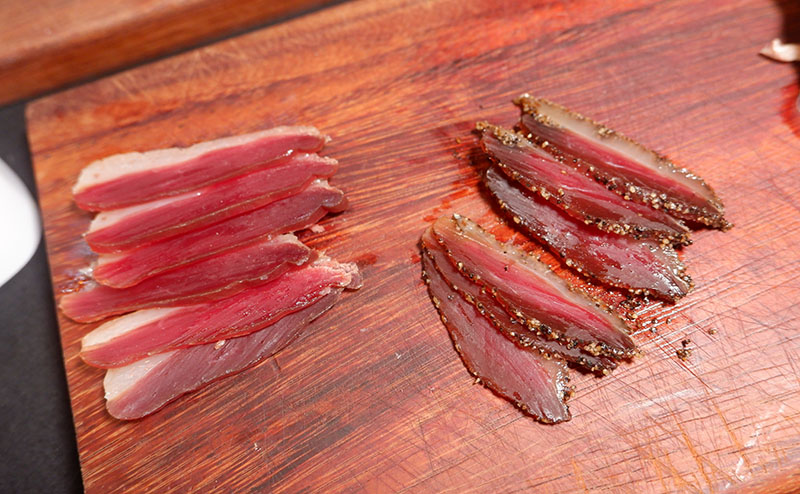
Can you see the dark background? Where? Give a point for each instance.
(37, 438)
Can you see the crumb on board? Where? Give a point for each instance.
(685, 351)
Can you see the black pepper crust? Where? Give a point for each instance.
(517, 140)
(564, 389)
(711, 216)
(586, 361)
(594, 348)
(642, 292)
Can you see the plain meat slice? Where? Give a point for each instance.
(535, 384)
(510, 326)
(291, 214)
(528, 289)
(145, 386)
(642, 266)
(578, 195)
(128, 228)
(624, 166)
(209, 279)
(151, 331)
(131, 178)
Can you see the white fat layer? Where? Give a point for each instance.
(612, 141)
(119, 165)
(537, 269)
(286, 237)
(108, 218)
(119, 380)
(355, 276)
(124, 324)
(105, 219)
(103, 259)
(349, 270)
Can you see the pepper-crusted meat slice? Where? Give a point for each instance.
(513, 328)
(291, 214)
(209, 279)
(624, 166)
(528, 289)
(132, 227)
(132, 178)
(535, 384)
(639, 265)
(578, 195)
(143, 387)
(146, 332)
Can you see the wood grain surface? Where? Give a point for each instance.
(374, 398)
(45, 44)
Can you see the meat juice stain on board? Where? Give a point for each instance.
(789, 108)
(460, 144)
(366, 259)
(446, 203)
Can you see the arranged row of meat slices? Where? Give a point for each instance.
(608, 207)
(198, 261)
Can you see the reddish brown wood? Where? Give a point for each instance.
(374, 398)
(45, 44)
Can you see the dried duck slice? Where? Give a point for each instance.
(143, 387)
(640, 266)
(209, 279)
(128, 228)
(578, 195)
(131, 178)
(528, 289)
(146, 332)
(624, 166)
(513, 328)
(287, 215)
(530, 381)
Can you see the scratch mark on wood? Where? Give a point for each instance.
(697, 457)
(577, 470)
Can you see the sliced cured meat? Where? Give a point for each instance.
(145, 386)
(128, 228)
(513, 328)
(131, 178)
(528, 289)
(530, 381)
(287, 215)
(641, 266)
(209, 279)
(624, 166)
(578, 195)
(140, 334)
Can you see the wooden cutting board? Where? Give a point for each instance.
(45, 44)
(374, 398)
